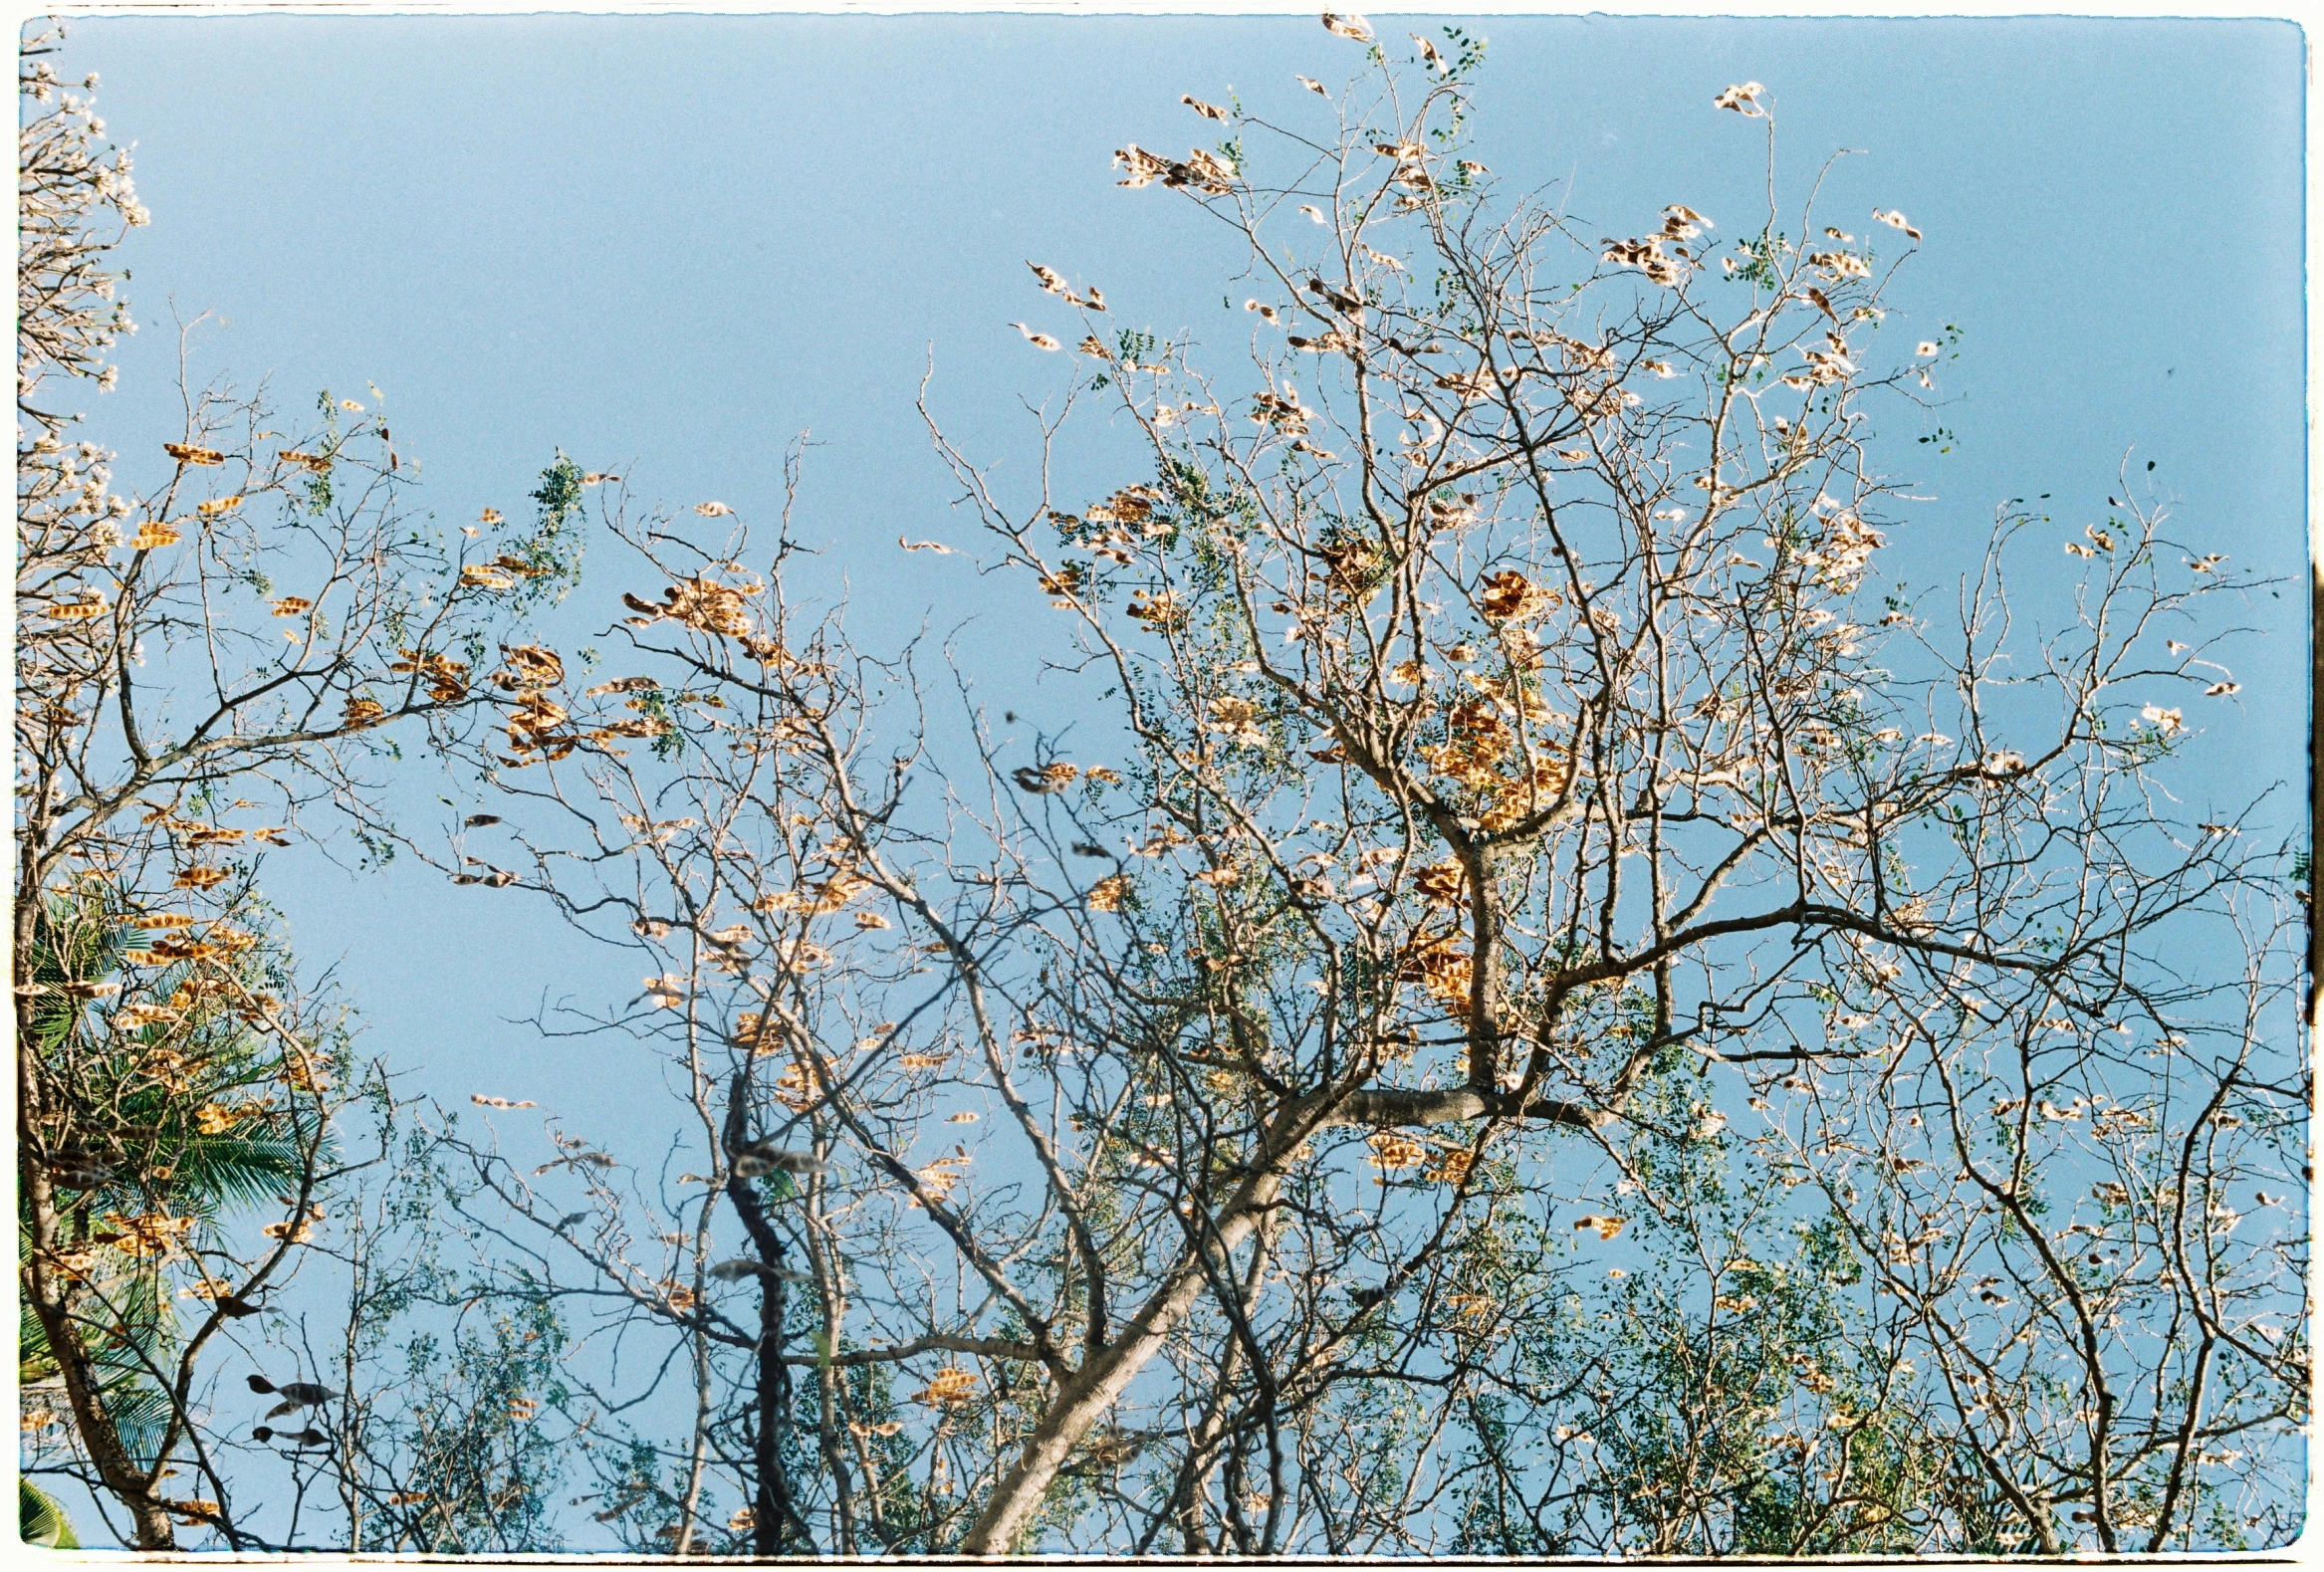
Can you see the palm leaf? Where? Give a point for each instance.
(140, 1415)
(214, 1172)
(40, 1520)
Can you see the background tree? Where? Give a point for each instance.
(735, 856)
(176, 712)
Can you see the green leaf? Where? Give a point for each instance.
(41, 1521)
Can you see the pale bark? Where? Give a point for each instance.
(1101, 1380)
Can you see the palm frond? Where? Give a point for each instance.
(40, 1520)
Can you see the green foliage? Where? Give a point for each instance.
(655, 705)
(150, 1100)
(1761, 261)
(167, 1124)
(40, 1520)
(551, 553)
(318, 484)
(1468, 51)
(468, 1436)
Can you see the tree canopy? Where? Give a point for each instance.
(1558, 1009)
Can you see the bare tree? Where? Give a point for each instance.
(1540, 816)
(1569, 1011)
(1633, 760)
(739, 854)
(177, 712)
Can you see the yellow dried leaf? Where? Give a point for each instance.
(1441, 883)
(1451, 1168)
(1391, 1151)
(1509, 597)
(949, 1384)
(533, 666)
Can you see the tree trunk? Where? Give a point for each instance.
(771, 1511)
(131, 1486)
(1084, 1397)
(1100, 1382)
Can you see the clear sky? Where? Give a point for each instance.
(670, 244)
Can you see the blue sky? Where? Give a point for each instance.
(669, 245)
